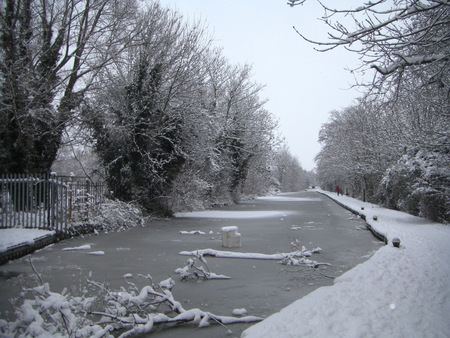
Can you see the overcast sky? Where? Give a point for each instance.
(302, 85)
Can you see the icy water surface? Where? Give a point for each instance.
(267, 225)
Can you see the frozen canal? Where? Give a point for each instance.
(267, 225)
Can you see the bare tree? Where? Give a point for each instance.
(394, 38)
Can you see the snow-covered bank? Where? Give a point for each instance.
(12, 237)
(398, 292)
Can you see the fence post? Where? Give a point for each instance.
(70, 206)
(88, 192)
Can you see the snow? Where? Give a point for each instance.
(287, 199)
(193, 232)
(167, 284)
(229, 229)
(239, 312)
(13, 237)
(250, 255)
(82, 247)
(232, 214)
(398, 292)
(96, 253)
(85, 247)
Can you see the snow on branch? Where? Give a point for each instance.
(293, 258)
(404, 42)
(129, 311)
(387, 30)
(410, 61)
(192, 271)
(293, 3)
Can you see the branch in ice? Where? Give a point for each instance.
(132, 311)
(248, 255)
(192, 271)
(35, 271)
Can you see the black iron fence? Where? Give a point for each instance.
(46, 201)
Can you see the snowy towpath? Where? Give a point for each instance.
(401, 292)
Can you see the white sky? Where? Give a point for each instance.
(302, 85)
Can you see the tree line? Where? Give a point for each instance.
(392, 146)
(171, 123)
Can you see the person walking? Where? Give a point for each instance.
(338, 190)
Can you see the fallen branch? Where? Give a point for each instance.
(129, 311)
(35, 271)
(249, 255)
(191, 271)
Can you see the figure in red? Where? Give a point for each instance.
(338, 190)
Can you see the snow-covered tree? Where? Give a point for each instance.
(50, 53)
(393, 154)
(176, 126)
(398, 131)
(288, 171)
(141, 117)
(245, 130)
(418, 183)
(357, 148)
(231, 140)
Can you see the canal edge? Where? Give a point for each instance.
(376, 234)
(23, 249)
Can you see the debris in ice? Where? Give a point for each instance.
(96, 253)
(229, 229)
(83, 247)
(195, 232)
(167, 284)
(239, 312)
(249, 255)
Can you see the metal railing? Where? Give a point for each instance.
(46, 201)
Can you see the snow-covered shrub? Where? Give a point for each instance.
(189, 192)
(115, 214)
(199, 189)
(419, 183)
